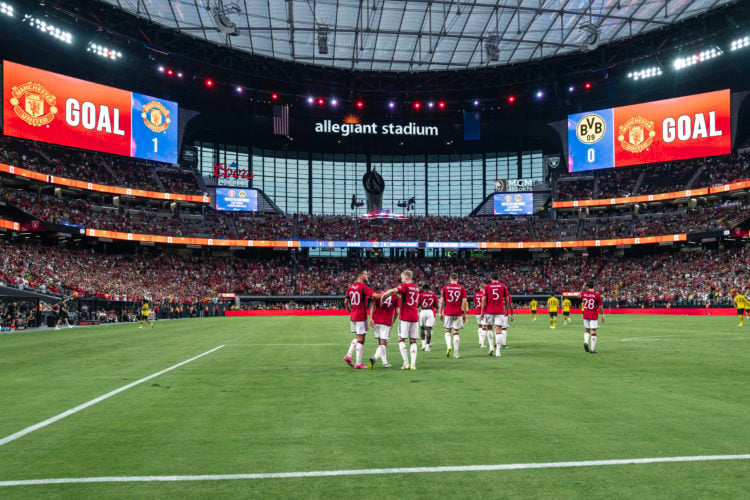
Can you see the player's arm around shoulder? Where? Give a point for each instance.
(371, 312)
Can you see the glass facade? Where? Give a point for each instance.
(300, 182)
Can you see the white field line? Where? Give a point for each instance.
(371, 472)
(101, 398)
(290, 344)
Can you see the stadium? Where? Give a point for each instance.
(225, 224)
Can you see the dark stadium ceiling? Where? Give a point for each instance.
(414, 35)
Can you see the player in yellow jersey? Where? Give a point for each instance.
(740, 301)
(144, 314)
(566, 311)
(552, 304)
(533, 305)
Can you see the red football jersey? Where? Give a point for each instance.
(384, 307)
(409, 301)
(453, 296)
(590, 303)
(428, 300)
(357, 295)
(496, 293)
(478, 299)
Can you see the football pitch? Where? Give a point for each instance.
(221, 408)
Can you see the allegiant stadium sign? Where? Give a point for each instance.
(355, 128)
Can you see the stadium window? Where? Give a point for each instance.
(531, 165)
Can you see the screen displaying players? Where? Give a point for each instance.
(48, 107)
(514, 203)
(236, 200)
(672, 129)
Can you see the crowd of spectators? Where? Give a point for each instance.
(62, 270)
(657, 178)
(178, 181)
(223, 225)
(664, 221)
(704, 276)
(681, 278)
(94, 167)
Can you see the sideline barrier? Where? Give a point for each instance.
(646, 198)
(673, 311)
(101, 188)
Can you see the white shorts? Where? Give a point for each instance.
(453, 322)
(481, 319)
(500, 320)
(359, 327)
(408, 330)
(426, 318)
(382, 332)
(591, 324)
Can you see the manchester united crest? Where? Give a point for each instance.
(156, 116)
(636, 134)
(33, 103)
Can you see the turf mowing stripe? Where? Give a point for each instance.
(101, 398)
(371, 472)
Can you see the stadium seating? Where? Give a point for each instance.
(96, 167)
(680, 278)
(653, 179)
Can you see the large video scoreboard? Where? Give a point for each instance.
(49, 107)
(673, 129)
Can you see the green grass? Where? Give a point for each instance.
(279, 398)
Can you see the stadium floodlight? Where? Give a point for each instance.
(323, 40)
(492, 47)
(703, 56)
(6, 9)
(740, 43)
(645, 73)
(49, 28)
(104, 51)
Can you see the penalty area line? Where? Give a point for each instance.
(67, 413)
(372, 472)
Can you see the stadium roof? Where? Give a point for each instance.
(414, 35)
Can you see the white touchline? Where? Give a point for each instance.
(370, 472)
(101, 398)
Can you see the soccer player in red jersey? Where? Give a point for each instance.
(482, 327)
(407, 326)
(356, 303)
(497, 308)
(592, 306)
(382, 313)
(453, 309)
(427, 303)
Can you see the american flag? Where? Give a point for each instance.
(280, 120)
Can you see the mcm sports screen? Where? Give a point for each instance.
(514, 203)
(49, 107)
(673, 129)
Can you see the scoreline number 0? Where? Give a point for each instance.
(590, 155)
